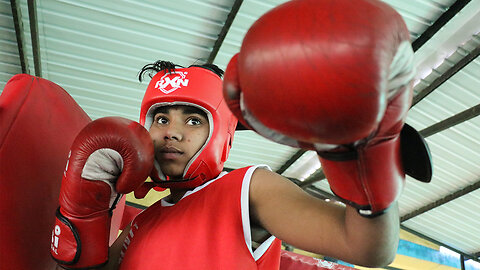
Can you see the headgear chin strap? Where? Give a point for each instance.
(199, 87)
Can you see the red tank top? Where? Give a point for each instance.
(209, 228)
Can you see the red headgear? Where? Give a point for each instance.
(201, 88)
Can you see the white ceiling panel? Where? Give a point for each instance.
(455, 165)
(259, 151)
(9, 58)
(456, 223)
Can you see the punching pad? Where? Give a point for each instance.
(39, 121)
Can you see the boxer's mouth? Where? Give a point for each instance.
(170, 152)
(170, 149)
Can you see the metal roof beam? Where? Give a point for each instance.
(290, 161)
(450, 197)
(223, 33)
(316, 192)
(317, 176)
(445, 76)
(17, 21)
(439, 23)
(451, 121)
(32, 14)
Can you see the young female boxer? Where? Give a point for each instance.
(207, 219)
(336, 80)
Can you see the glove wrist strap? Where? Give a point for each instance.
(80, 243)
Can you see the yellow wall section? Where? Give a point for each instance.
(152, 197)
(417, 240)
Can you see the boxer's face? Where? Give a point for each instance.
(178, 132)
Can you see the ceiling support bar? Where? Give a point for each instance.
(223, 33)
(32, 14)
(17, 21)
(445, 76)
(451, 121)
(439, 23)
(450, 197)
(314, 191)
(462, 262)
(317, 176)
(292, 160)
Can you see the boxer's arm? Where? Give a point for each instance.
(311, 224)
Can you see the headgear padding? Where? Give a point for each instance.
(201, 88)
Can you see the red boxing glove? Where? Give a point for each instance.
(109, 157)
(333, 77)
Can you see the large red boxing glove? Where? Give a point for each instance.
(109, 157)
(333, 77)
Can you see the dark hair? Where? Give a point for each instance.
(152, 69)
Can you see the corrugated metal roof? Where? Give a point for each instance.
(248, 13)
(456, 223)
(455, 160)
(421, 14)
(258, 150)
(9, 58)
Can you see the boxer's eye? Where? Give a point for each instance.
(194, 121)
(161, 120)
